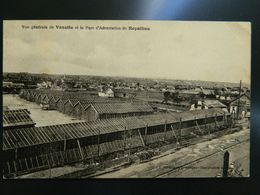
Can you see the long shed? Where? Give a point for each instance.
(20, 118)
(38, 147)
(116, 110)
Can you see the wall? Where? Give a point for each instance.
(60, 106)
(68, 108)
(53, 104)
(78, 111)
(90, 114)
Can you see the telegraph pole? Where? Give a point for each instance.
(16, 158)
(49, 163)
(98, 142)
(225, 164)
(238, 105)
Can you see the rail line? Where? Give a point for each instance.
(222, 133)
(177, 168)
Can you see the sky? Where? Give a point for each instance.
(211, 51)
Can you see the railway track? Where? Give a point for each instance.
(177, 168)
(216, 135)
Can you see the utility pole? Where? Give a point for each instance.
(16, 152)
(180, 127)
(49, 163)
(225, 164)
(165, 128)
(124, 139)
(98, 142)
(238, 105)
(130, 145)
(64, 149)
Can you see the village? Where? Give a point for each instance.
(78, 126)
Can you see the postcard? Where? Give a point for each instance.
(126, 99)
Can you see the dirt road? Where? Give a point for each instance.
(208, 167)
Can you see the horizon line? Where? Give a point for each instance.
(154, 78)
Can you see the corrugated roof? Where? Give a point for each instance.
(72, 101)
(83, 103)
(125, 107)
(38, 135)
(168, 107)
(16, 118)
(214, 104)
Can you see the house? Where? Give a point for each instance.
(7, 84)
(106, 92)
(116, 110)
(244, 104)
(223, 97)
(44, 85)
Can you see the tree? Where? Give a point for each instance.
(217, 92)
(176, 97)
(166, 97)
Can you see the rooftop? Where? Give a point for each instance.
(39, 135)
(19, 117)
(125, 107)
(214, 104)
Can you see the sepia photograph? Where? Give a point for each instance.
(126, 99)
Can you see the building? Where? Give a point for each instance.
(7, 84)
(60, 105)
(69, 106)
(18, 85)
(244, 104)
(38, 98)
(14, 119)
(124, 93)
(106, 92)
(116, 110)
(53, 103)
(168, 107)
(79, 108)
(208, 104)
(39, 147)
